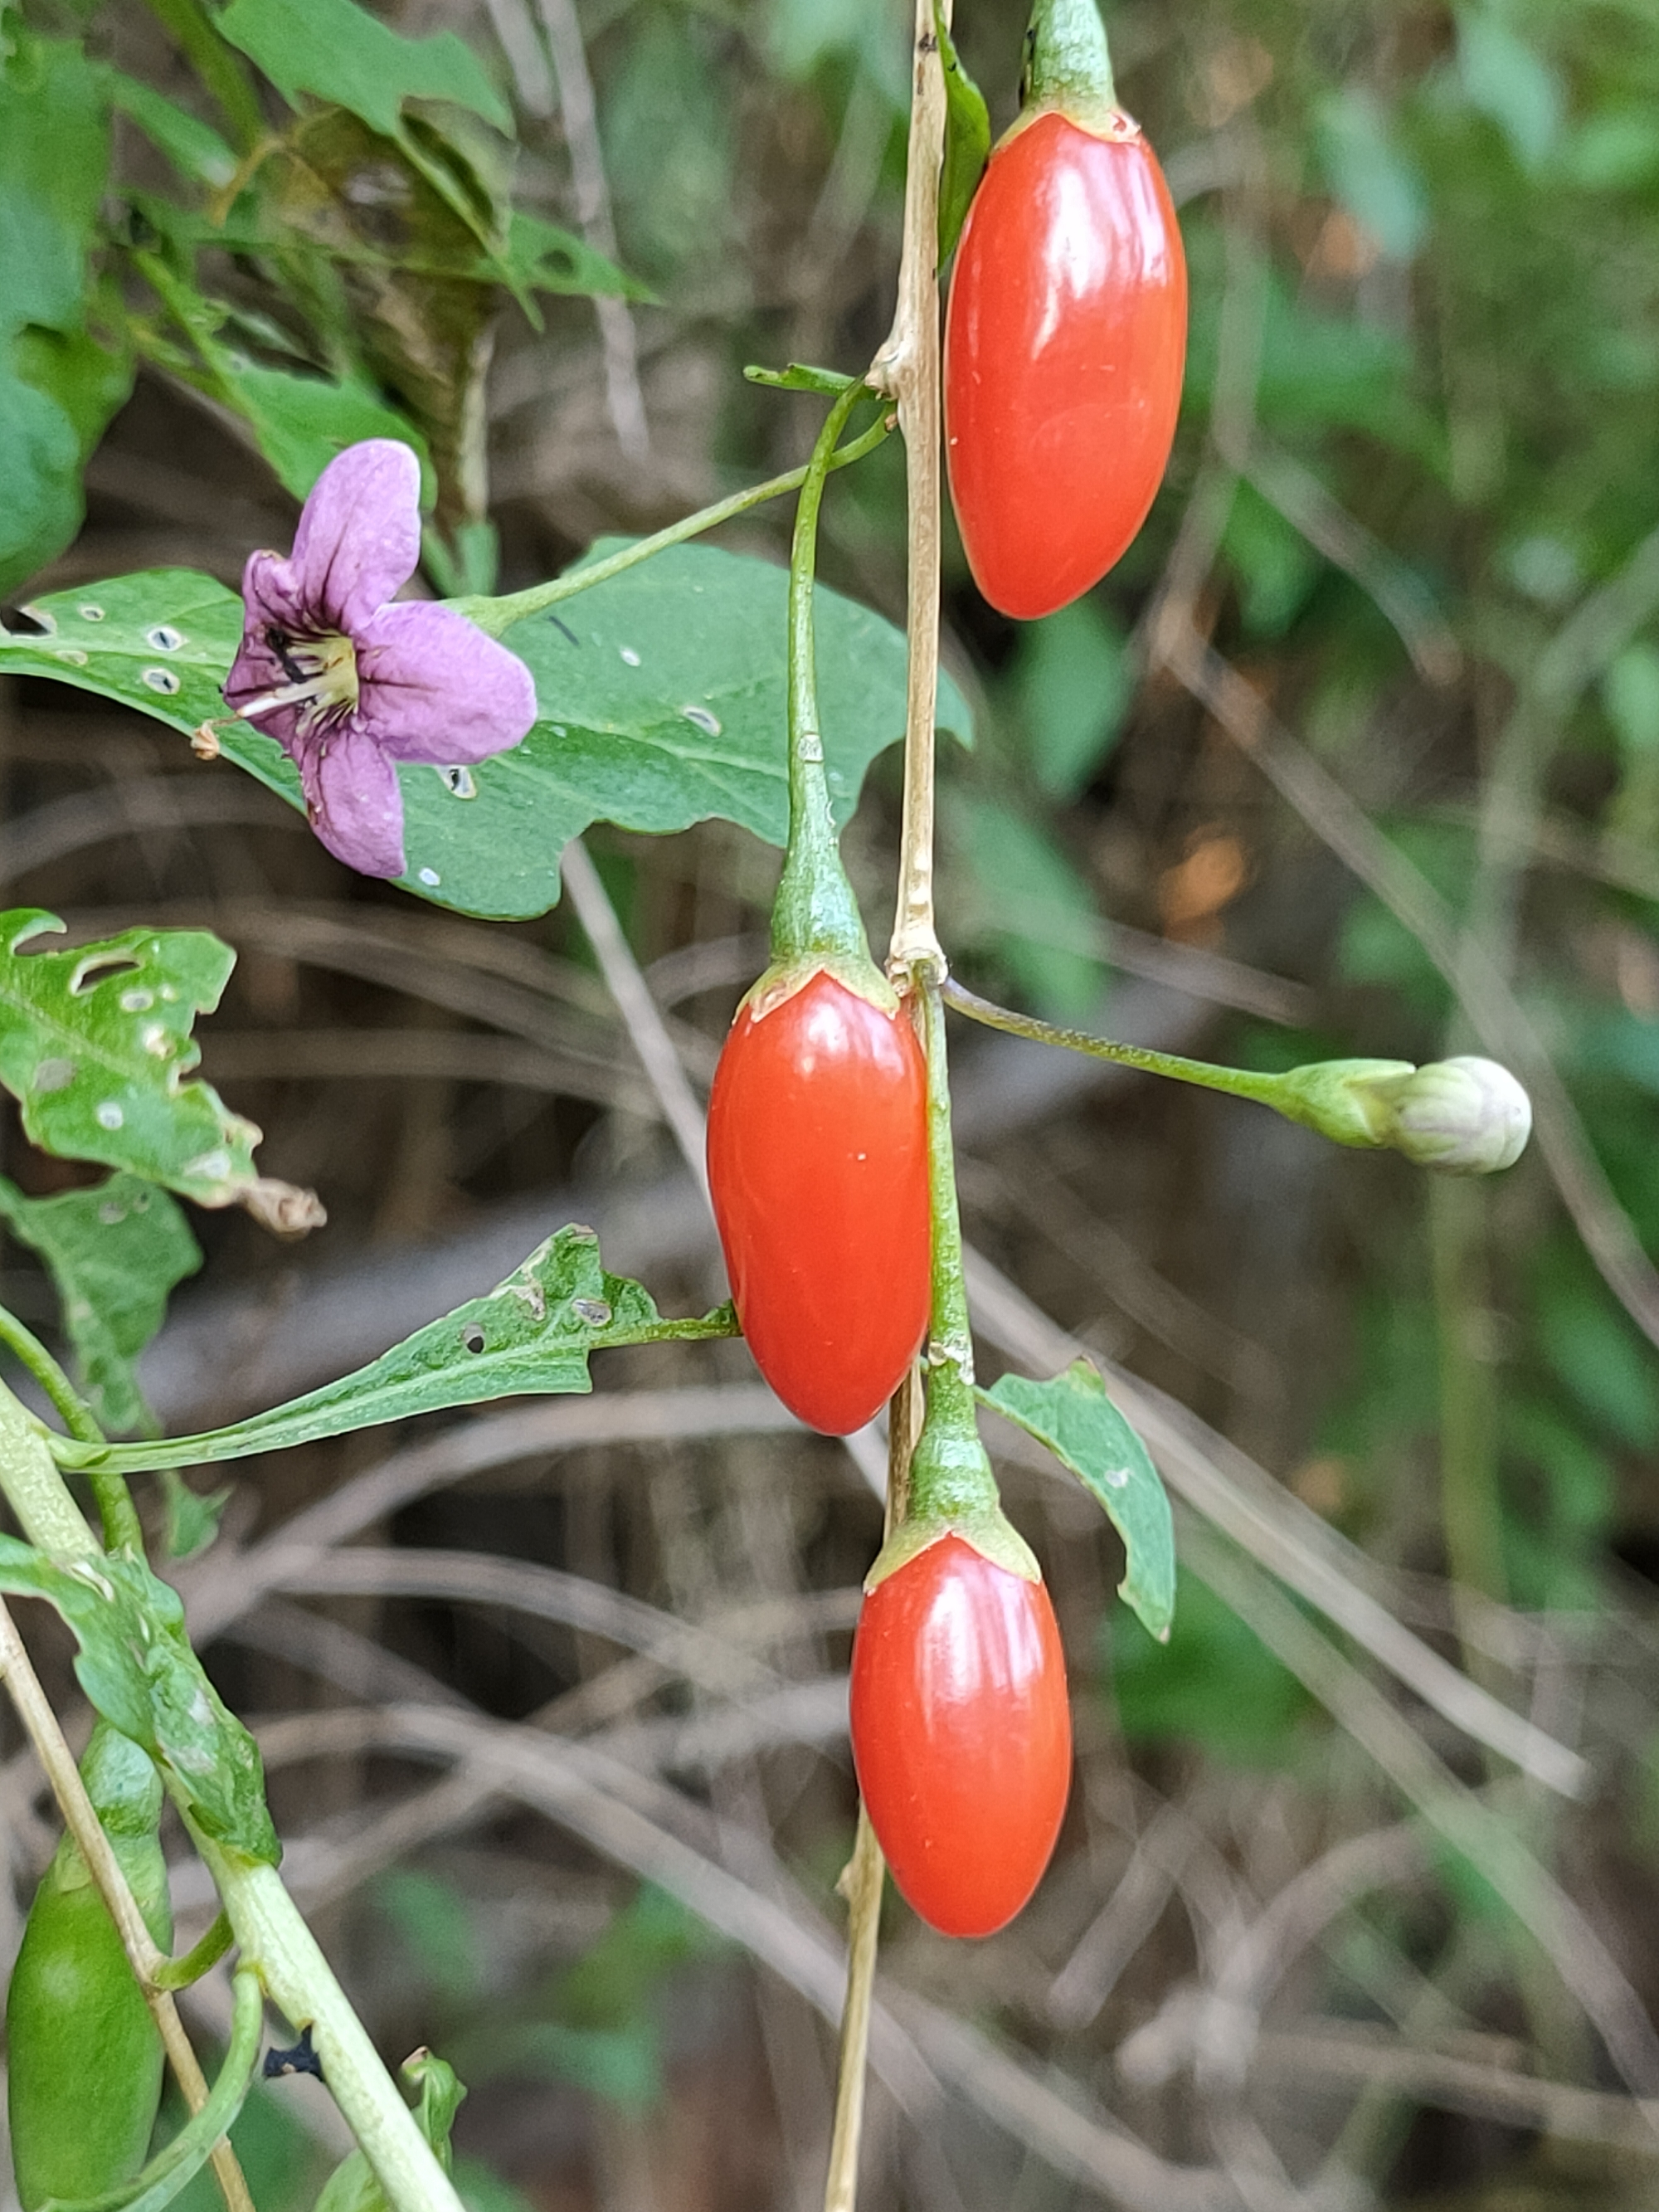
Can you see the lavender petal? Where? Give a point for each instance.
(433, 687)
(359, 537)
(353, 800)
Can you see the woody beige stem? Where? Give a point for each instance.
(907, 368)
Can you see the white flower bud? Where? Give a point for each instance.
(1466, 1116)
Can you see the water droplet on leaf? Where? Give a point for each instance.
(704, 721)
(159, 679)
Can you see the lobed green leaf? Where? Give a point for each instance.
(532, 1336)
(94, 1045)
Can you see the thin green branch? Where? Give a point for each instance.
(123, 1530)
(494, 616)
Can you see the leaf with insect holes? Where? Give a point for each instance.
(1085, 1431)
(135, 1665)
(660, 695)
(532, 1335)
(114, 1253)
(95, 1044)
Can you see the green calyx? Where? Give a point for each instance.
(989, 1533)
(783, 979)
(1337, 1098)
(1068, 69)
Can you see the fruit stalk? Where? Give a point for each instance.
(815, 914)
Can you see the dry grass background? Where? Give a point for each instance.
(509, 1667)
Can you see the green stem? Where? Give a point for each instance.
(71, 1407)
(200, 1959)
(950, 1478)
(275, 1940)
(495, 617)
(1067, 62)
(35, 1491)
(218, 67)
(123, 1531)
(815, 913)
(1237, 1082)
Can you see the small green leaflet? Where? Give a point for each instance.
(95, 1044)
(352, 2187)
(114, 1253)
(661, 697)
(532, 1336)
(1085, 1431)
(135, 1665)
(967, 141)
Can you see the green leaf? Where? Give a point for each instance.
(340, 52)
(1032, 906)
(194, 148)
(161, 641)
(1273, 564)
(1073, 1416)
(302, 422)
(1072, 684)
(136, 1666)
(39, 474)
(1370, 173)
(58, 389)
(1516, 87)
(54, 163)
(1213, 1684)
(541, 257)
(191, 1519)
(114, 1253)
(967, 141)
(800, 376)
(434, 1919)
(95, 1044)
(532, 1336)
(660, 695)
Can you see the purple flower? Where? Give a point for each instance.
(349, 685)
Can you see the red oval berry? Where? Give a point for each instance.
(817, 1167)
(1064, 345)
(961, 1733)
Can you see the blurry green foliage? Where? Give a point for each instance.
(1072, 683)
(1028, 902)
(594, 2023)
(114, 1252)
(1214, 1684)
